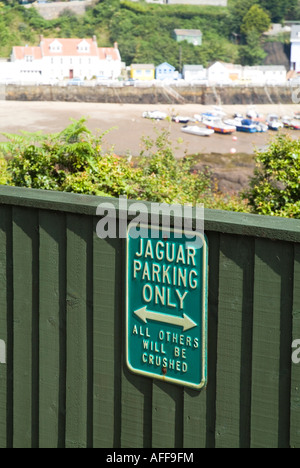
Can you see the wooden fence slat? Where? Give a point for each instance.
(25, 355)
(136, 416)
(295, 378)
(79, 327)
(5, 328)
(108, 336)
(167, 416)
(272, 336)
(200, 407)
(234, 342)
(52, 353)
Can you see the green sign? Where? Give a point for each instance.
(167, 306)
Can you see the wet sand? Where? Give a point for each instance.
(128, 127)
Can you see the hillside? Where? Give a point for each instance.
(131, 24)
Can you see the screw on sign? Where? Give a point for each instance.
(166, 314)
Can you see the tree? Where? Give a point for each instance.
(252, 53)
(238, 11)
(279, 9)
(256, 19)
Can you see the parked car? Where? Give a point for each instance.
(129, 82)
(75, 82)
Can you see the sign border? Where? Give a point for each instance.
(165, 378)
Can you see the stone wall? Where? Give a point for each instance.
(153, 95)
(53, 10)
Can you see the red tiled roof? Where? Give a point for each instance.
(108, 51)
(21, 52)
(69, 49)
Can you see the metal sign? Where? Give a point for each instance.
(167, 306)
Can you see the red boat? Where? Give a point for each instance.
(219, 127)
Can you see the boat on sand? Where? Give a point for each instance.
(218, 126)
(195, 130)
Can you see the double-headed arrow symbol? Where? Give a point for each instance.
(185, 322)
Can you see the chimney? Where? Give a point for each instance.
(41, 38)
(116, 45)
(95, 38)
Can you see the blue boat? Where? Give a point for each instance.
(243, 125)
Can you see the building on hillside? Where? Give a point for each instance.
(194, 73)
(219, 73)
(265, 74)
(57, 58)
(142, 71)
(192, 36)
(228, 73)
(295, 48)
(165, 71)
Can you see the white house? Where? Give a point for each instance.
(266, 74)
(224, 73)
(66, 58)
(228, 73)
(194, 73)
(295, 48)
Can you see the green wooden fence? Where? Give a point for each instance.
(64, 382)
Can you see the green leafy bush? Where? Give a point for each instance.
(275, 188)
(74, 161)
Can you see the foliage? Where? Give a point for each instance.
(74, 161)
(275, 188)
(131, 25)
(256, 19)
(252, 53)
(165, 179)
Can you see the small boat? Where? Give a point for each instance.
(261, 127)
(273, 122)
(243, 125)
(291, 123)
(215, 113)
(195, 130)
(219, 126)
(253, 115)
(156, 115)
(181, 119)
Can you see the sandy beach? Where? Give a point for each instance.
(128, 127)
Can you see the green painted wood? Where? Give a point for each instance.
(25, 339)
(295, 377)
(273, 293)
(234, 342)
(62, 313)
(167, 416)
(52, 336)
(268, 227)
(107, 341)
(200, 407)
(5, 328)
(79, 282)
(136, 411)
